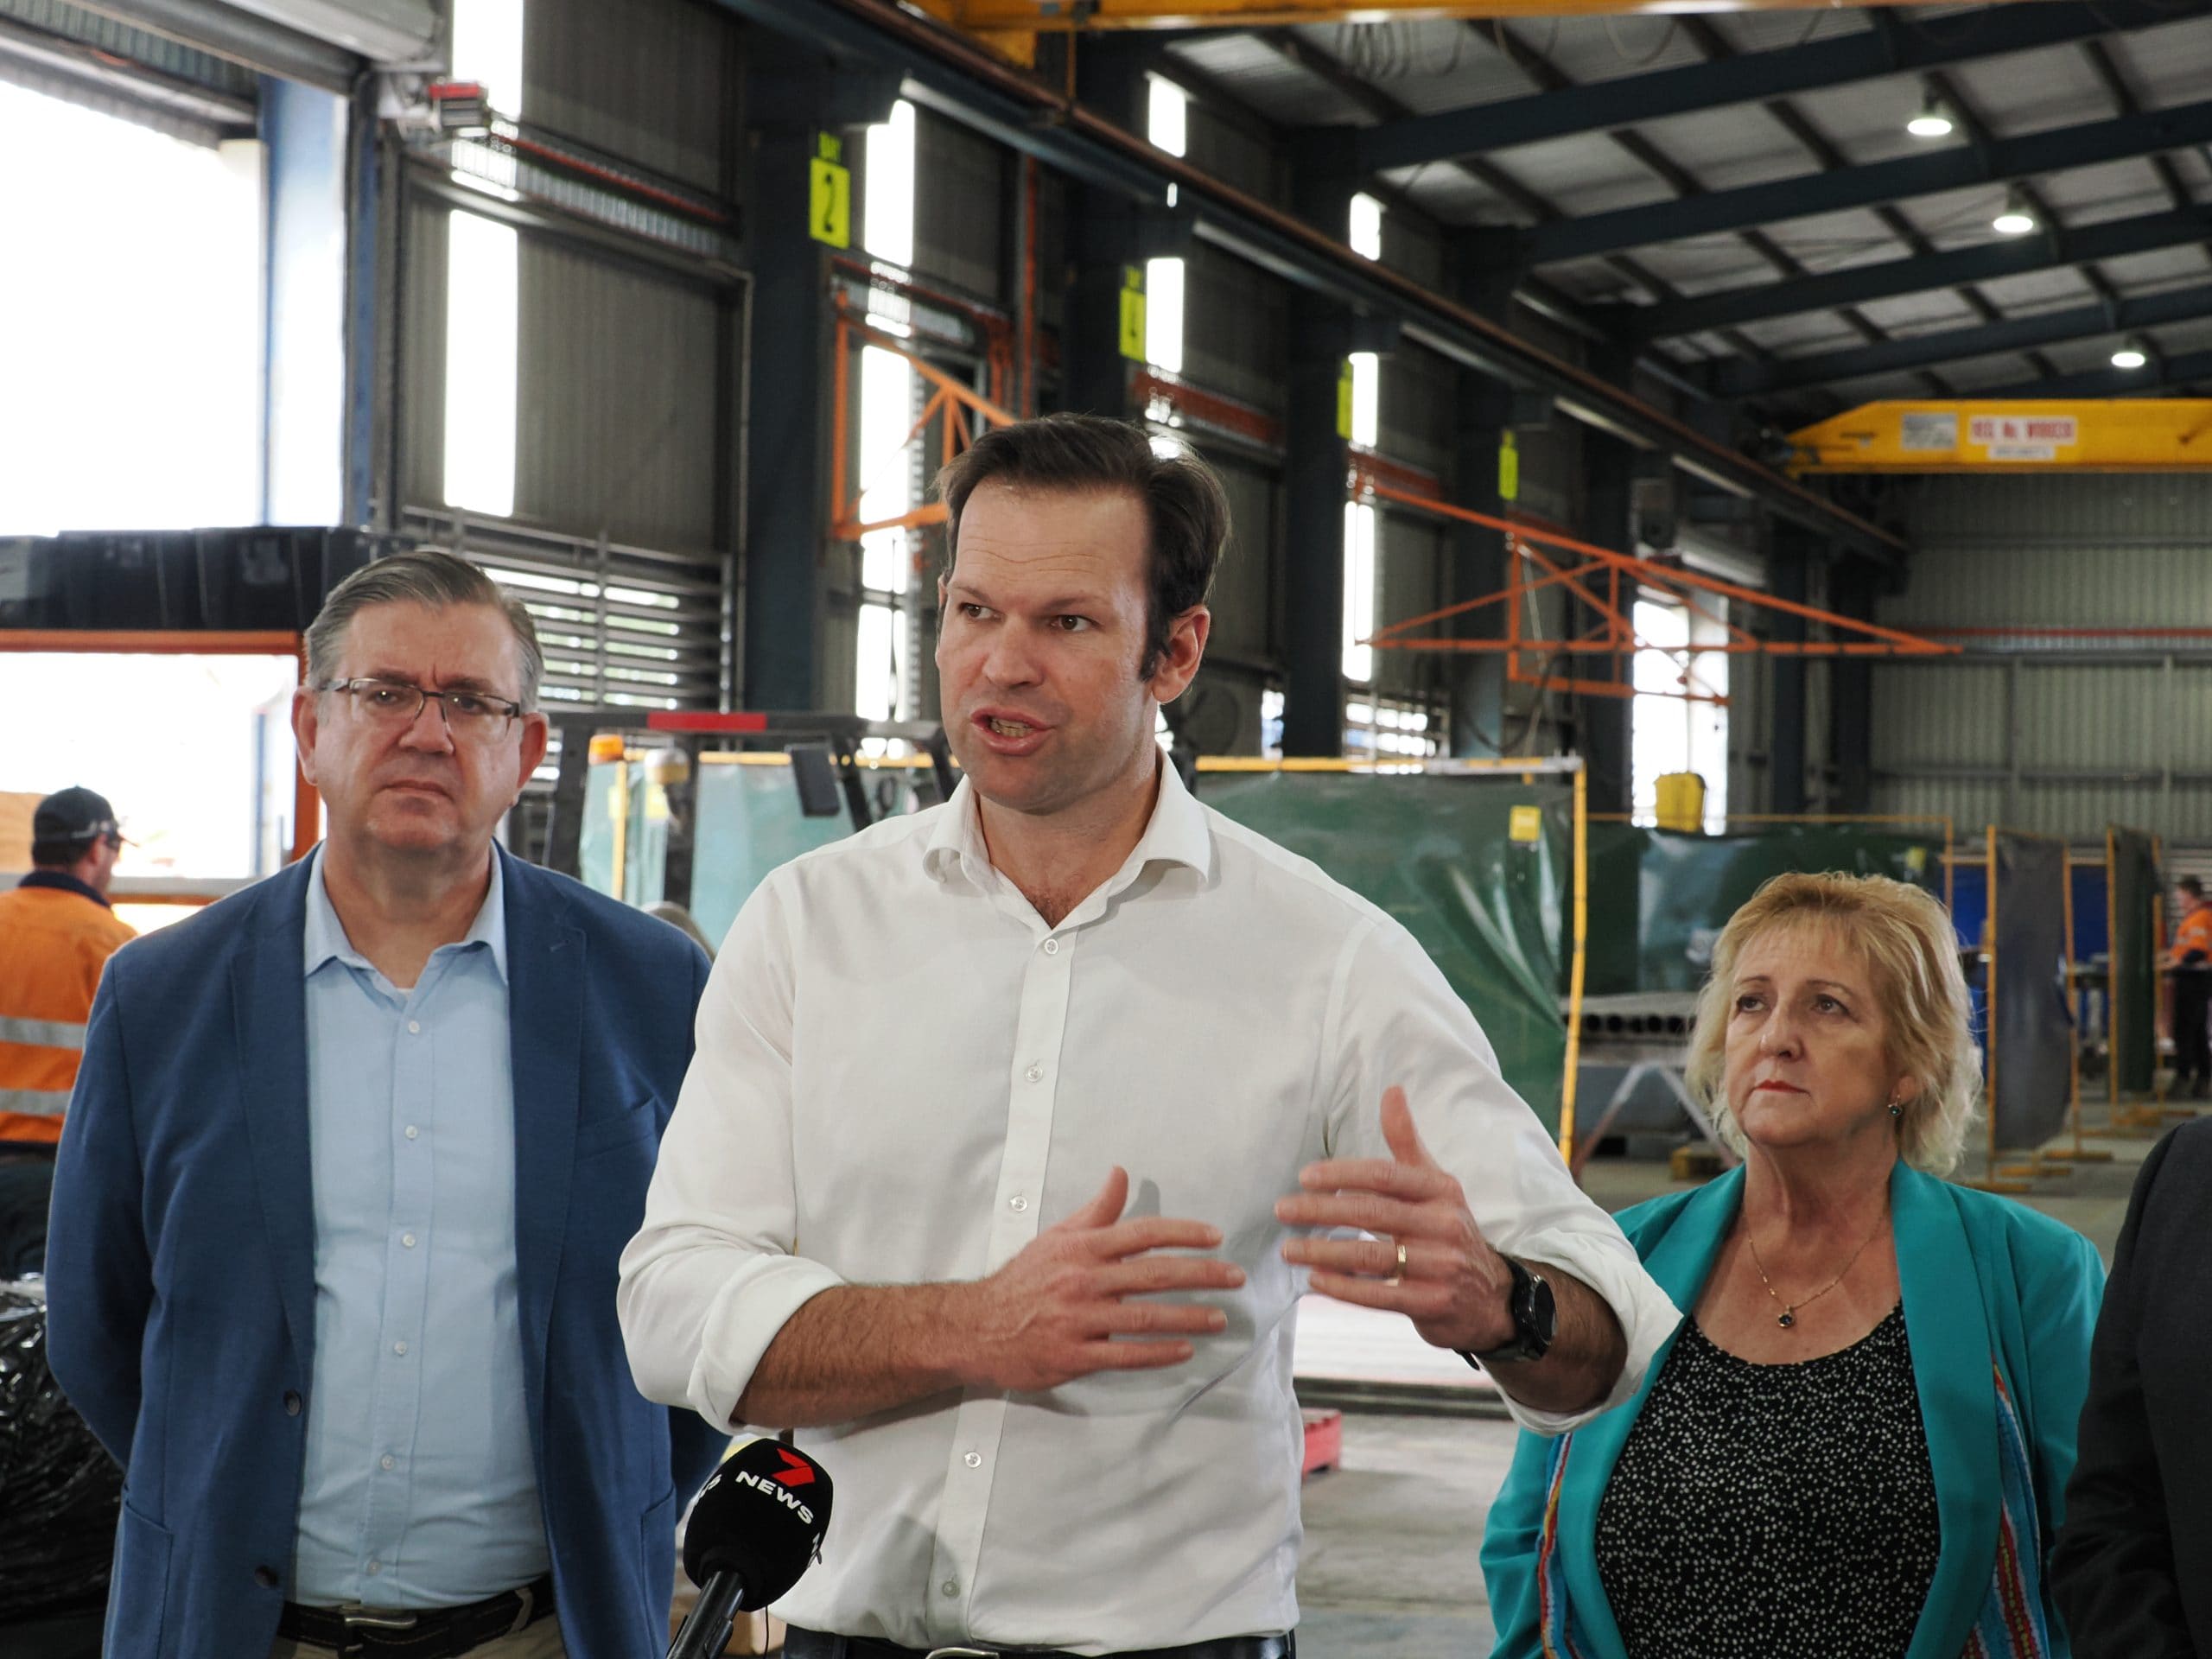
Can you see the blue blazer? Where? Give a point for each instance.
(180, 1263)
(1982, 1278)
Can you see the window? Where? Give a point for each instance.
(484, 278)
(1168, 125)
(1380, 728)
(1366, 232)
(1359, 591)
(887, 214)
(1669, 732)
(203, 785)
(887, 463)
(133, 288)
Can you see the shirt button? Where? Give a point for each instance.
(387, 1461)
(974, 1460)
(410, 1131)
(265, 1577)
(414, 1027)
(1052, 947)
(399, 1348)
(291, 1404)
(407, 1239)
(1035, 1074)
(1017, 1204)
(951, 1587)
(375, 1567)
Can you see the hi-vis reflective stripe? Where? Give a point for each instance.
(41, 1033)
(34, 1103)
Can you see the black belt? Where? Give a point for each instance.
(425, 1633)
(814, 1644)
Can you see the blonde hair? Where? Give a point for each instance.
(1904, 938)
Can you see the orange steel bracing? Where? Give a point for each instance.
(950, 399)
(1607, 582)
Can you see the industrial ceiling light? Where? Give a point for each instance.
(1933, 121)
(2015, 218)
(2130, 355)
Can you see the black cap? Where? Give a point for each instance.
(73, 815)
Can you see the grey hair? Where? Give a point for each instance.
(429, 577)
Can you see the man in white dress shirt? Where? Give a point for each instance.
(1015, 1124)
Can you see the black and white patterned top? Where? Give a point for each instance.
(1773, 1511)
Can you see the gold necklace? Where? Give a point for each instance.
(1788, 1317)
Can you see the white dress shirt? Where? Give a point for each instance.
(903, 1075)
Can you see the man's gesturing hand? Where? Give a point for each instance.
(1452, 1286)
(1052, 1314)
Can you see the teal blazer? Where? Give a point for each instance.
(1983, 1279)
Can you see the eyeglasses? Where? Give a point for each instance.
(473, 714)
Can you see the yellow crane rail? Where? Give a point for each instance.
(2150, 434)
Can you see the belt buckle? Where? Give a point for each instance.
(964, 1653)
(368, 1619)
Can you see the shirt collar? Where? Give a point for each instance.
(62, 882)
(325, 934)
(1177, 834)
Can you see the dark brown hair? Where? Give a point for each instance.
(1187, 515)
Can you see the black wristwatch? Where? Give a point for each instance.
(1535, 1320)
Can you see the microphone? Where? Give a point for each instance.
(757, 1526)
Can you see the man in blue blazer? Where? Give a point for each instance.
(341, 1193)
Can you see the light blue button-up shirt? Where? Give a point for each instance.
(419, 1489)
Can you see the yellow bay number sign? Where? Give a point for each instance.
(829, 199)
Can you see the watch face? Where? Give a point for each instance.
(1539, 1320)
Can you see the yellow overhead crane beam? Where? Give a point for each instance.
(1068, 16)
(2025, 434)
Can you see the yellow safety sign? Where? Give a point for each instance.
(830, 197)
(1527, 824)
(1133, 312)
(1344, 402)
(1509, 468)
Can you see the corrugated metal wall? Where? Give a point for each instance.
(627, 371)
(1235, 329)
(1410, 552)
(653, 81)
(960, 200)
(618, 392)
(1417, 421)
(1248, 578)
(2110, 731)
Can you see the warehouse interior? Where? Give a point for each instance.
(1665, 447)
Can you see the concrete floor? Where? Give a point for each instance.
(1390, 1570)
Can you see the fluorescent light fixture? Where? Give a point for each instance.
(1932, 122)
(2130, 355)
(2014, 218)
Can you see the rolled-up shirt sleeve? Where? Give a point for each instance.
(714, 1269)
(1398, 1021)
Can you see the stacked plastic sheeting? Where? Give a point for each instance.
(59, 1491)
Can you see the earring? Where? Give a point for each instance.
(1897, 1110)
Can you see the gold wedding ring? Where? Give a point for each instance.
(1399, 1277)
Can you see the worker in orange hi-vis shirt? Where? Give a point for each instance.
(2190, 961)
(56, 934)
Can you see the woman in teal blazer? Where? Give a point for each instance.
(1832, 1048)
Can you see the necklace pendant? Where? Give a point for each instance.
(1785, 1319)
